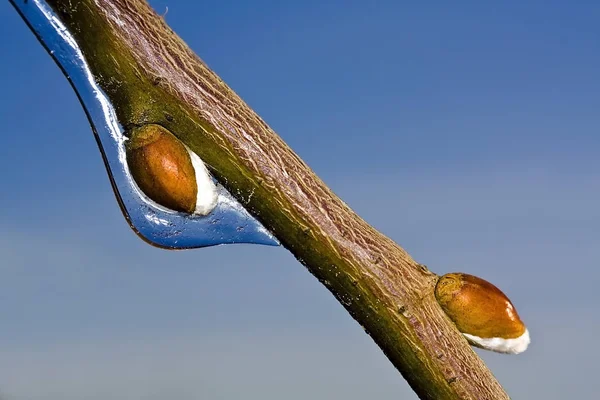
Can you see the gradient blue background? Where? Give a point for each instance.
(466, 132)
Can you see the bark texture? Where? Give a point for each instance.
(151, 76)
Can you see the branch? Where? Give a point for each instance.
(151, 76)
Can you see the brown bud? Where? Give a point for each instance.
(482, 313)
(162, 167)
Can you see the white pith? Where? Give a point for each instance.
(206, 198)
(501, 345)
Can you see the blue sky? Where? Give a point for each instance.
(467, 133)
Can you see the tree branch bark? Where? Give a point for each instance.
(151, 76)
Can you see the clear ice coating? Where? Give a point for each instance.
(228, 223)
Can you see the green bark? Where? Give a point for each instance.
(151, 76)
